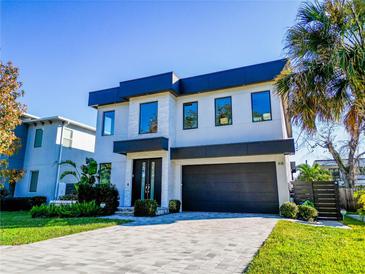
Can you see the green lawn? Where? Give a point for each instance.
(299, 248)
(19, 228)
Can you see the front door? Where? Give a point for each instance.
(147, 180)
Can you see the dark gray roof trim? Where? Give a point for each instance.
(285, 146)
(201, 83)
(139, 145)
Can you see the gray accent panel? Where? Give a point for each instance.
(139, 145)
(285, 146)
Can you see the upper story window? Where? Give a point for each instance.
(223, 111)
(108, 123)
(33, 181)
(148, 117)
(105, 170)
(38, 137)
(67, 137)
(261, 106)
(190, 113)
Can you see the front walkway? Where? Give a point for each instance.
(175, 243)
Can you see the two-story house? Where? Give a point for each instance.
(45, 143)
(217, 142)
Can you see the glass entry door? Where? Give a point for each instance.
(146, 182)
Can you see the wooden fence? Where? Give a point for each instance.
(324, 195)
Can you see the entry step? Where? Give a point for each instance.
(128, 210)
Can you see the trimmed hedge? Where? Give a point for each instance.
(100, 193)
(21, 203)
(289, 210)
(85, 209)
(145, 208)
(307, 213)
(174, 206)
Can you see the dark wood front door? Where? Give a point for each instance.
(147, 180)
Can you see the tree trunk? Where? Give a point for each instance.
(347, 170)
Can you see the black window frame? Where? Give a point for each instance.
(197, 110)
(252, 94)
(113, 125)
(215, 111)
(140, 112)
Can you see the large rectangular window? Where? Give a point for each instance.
(108, 123)
(67, 137)
(38, 137)
(148, 117)
(261, 106)
(190, 112)
(223, 111)
(33, 181)
(105, 170)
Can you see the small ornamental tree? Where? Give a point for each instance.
(10, 114)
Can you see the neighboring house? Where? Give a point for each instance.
(217, 142)
(41, 152)
(332, 166)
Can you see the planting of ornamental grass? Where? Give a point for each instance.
(20, 228)
(301, 248)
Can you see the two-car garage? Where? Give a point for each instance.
(233, 187)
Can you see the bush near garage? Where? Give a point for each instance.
(307, 213)
(289, 210)
(145, 208)
(174, 206)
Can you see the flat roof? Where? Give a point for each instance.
(59, 118)
(236, 77)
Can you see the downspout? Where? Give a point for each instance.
(59, 161)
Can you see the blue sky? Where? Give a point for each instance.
(65, 49)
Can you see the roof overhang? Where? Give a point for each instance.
(141, 145)
(285, 146)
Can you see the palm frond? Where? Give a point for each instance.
(67, 173)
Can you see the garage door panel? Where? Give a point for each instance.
(248, 187)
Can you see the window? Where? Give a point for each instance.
(67, 137)
(190, 115)
(261, 106)
(108, 123)
(38, 137)
(148, 118)
(223, 111)
(33, 181)
(105, 172)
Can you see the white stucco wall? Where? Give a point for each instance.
(45, 158)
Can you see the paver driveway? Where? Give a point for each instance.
(176, 243)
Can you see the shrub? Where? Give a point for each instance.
(360, 199)
(100, 193)
(174, 206)
(307, 213)
(84, 209)
(308, 203)
(289, 210)
(15, 204)
(145, 208)
(38, 200)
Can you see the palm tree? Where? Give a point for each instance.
(88, 173)
(313, 173)
(324, 80)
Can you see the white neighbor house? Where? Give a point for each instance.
(42, 151)
(216, 142)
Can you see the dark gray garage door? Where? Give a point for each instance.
(249, 187)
